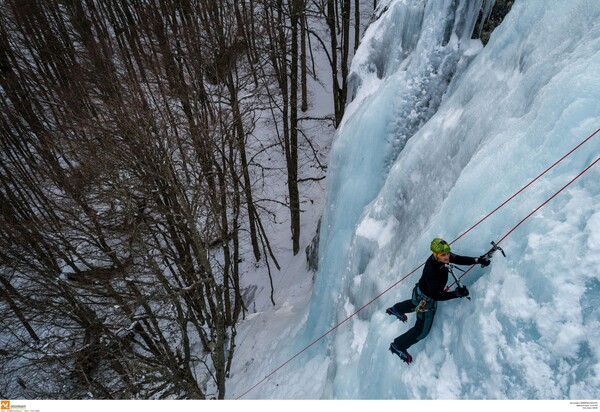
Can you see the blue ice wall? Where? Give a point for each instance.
(439, 133)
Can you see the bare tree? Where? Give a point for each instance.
(126, 190)
(129, 171)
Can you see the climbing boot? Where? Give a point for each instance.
(394, 312)
(404, 355)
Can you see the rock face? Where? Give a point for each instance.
(499, 11)
(312, 251)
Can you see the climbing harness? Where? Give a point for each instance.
(424, 300)
(494, 248)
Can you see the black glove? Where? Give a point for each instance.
(483, 260)
(461, 292)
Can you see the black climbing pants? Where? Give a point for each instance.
(424, 319)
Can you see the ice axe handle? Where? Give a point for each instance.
(450, 267)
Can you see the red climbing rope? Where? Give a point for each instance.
(533, 212)
(329, 331)
(463, 234)
(527, 185)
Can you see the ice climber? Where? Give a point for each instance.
(427, 293)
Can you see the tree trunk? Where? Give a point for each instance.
(292, 145)
(331, 23)
(356, 24)
(303, 57)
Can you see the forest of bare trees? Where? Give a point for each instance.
(130, 182)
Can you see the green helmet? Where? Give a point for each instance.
(440, 246)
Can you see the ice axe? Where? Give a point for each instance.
(450, 267)
(491, 252)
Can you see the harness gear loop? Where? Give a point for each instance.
(421, 306)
